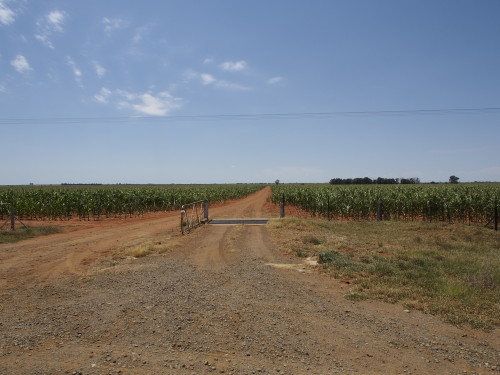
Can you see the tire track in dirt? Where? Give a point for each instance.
(42, 258)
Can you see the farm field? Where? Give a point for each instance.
(459, 203)
(103, 201)
(223, 299)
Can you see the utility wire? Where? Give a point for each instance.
(259, 116)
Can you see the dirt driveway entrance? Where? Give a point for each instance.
(225, 300)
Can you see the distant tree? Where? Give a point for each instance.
(337, 181)
(454, 179)
(367, 181)
(357, 181)
(415, 180)
(277, 182)
(386, 181)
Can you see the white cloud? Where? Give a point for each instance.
(126, 94)
(147, 103)
(21, 64)
(207, 79)
(103, 95)
(274, 80)
(138, 36)
(77, 72)
(99, 70)
(111, 24)
(234, 66)
(231, 86)
(208, 61)
(2, 88)
(190, 75)
(6, 14)
(56, 19)
(49, 24)
(44, 39)
(158, 105)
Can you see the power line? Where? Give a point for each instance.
(259, 116)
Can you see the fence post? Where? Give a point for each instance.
(12, 218)
(282, 207)
(206, 211)
(183, 216)
(496, 215)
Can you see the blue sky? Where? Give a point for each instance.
(183, 91)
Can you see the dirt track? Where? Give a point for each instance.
(218, 303)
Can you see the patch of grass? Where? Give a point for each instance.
(312, 240)
(450, 270)
(356, 296)
(301, 253)
(22, 233)
(149, 248)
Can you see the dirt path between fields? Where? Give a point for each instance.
(73, 303)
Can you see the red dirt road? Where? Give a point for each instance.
(224, 300)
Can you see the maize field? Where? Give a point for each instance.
(464, 203)
(94, 202)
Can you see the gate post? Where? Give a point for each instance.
(12, 218)
(282, 207)
(496, 215)
(205, 209)
(183, 217)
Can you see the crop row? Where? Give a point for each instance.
(63, 203)
(453, 203)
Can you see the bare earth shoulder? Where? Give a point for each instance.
(223, 299)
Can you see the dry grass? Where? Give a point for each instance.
(450, 270)
(150, 248)
(22, 233)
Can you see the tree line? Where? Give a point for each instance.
(377, 181)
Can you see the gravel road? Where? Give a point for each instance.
(225, 301)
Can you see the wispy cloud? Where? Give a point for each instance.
(274, 80)
(208, 60)
(151, 104)
(7, 15)
(2, 88)
(207, 79)
(99, 70)
(51, 23)
(231, 86)
(56, 19)
(103, 95)
(77, 72)
(233, 66)
(111, 24)
(21, 64)
(140, 34)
